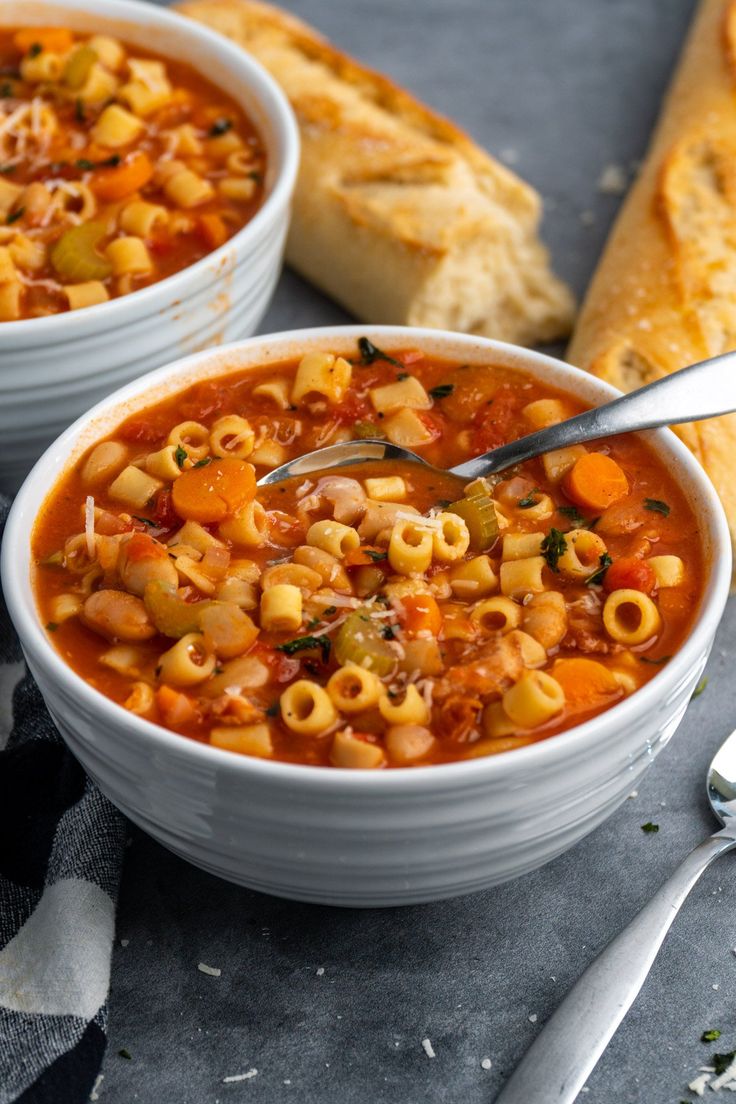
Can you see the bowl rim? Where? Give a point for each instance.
(175, 287)
(15, 564)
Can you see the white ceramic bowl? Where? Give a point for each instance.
(353, 838)
(54, 368)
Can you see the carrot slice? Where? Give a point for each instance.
(56, 39)
(129, 176)
(585, 681)
(630, 573)
(420, 615)
(215, 491)
(368, 555)
(212, 229)
(595, 481)
(176, 709)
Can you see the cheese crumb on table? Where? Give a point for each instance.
(486, 1063)
(239, 1077)
(320, 971)
(428, 1048)
(533, 1018)
(612, 180)
(212, 971)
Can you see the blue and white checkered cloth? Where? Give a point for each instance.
(61, 845)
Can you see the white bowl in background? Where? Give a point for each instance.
(349, 837)
(54, 368)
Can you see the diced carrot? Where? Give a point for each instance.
(56, 39)
(176, 709)
(595, 481)
(213, 229)
(368, 555)
(215, 491)
(420, 615)
(585, 681)
(630, 573)
(129, 176)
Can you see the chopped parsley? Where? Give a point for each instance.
(574, 515)
(443, 503)
(699, 688)
(369, 353)
(15, 215)
(657, 506)
(108, 163)
(374, 555)
(273, 710)
(218, 670)
(529, 500)
(144, 521)
(125, 1054)
(598, 576)
(34, 50)
(302, 643)
(180, 455)
(313, 623)
(387, 632)
(220, 126)
(256, 177)
(554, 545)
(723, 1061)
(649, 827)
(329, 610)
(203, 463)
(52, 626)
(710, 1036)
(442, 390)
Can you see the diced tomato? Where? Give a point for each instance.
(163, 511)
(629, 573)
(140, 431)
(420, 615)
(176, 709)
(354, 409)
(411, 356)
(493, 424)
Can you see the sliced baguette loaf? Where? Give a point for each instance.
(664, 293)
(398, 215)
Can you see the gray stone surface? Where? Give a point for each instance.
(570, 86)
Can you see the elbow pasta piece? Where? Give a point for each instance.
(473, 579)
(187, 662)
(276, 390)
(411, 710)
(496, 721)
(141, 218)
(521, 577)
(134, 487)
(232, 435)
(104, 462)
(281, 608)
(241, 188)
(99, 86)
(520, 546)
(27, 254)
(545, 618)
(9, 195)
(496, 614)
(406, 428)
(116, 127)
(542, 509)
(88, 294)
(10, 305)
(545, 412)
(557, 463)
(193, 437)
(194, 535)
(582, 555)
(321, 374)
(298, 575)
(329, 568)
(535, 699)
(532, 652)
(269, 454)
(307, 708)
(409, 548)
(163, 464)
(8, 271)
(149, 89)
(387, 488)
(333, 537)
(380, 517)
(452, 540)
(669, 571)
(140, 700)
(187, 189)
(129, 255)
(252, 740)
(407, 394)
(353, 689)
(630, 617)
(110, 52)
(351, 752)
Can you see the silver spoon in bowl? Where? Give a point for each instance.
(558, 1063)
(703, 390)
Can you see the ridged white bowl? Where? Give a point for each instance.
(54, 368)
(361, 838)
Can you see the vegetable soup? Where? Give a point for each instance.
(372, 617)
(117, 169)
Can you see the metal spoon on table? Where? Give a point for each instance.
(704, 390)
(559, 1061)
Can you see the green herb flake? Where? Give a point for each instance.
(220, 126)
(443, 503)
(710, 1036)
(388, 632)
(598, 576)
(574, 515)
(313, 623)
(34, 50)
(370, 353)
(14, 216)
(442, 390)
(203, 463)
(218, 670)
(699, 688)
(304, 643)
(256, 177)
(375, 556)
(723, 1061)
(125, 1054)
(328, 611)
(180, 455)
(553, 546)
(529, 500)
(273, 709)
(657, 506)
(51, 626)
(649, 827)
(144, 520)
(108, 163)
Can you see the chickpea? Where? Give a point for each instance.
(117, 616)
(143, 560)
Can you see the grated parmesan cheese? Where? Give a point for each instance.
(428, 1048)
(89, 525)
(239, 1077)
(728, 1075)
(486, 1063)
(698, 1085)
(433, 525)
(94, 1094)
(211, 971)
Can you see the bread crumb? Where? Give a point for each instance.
(212, 971)
(533, 1018)
(612, 181)
(486, 1063)
(632, 795)
(428, 1048)
(320, 971)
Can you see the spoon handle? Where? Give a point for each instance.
(558, 1063)
(703, 390)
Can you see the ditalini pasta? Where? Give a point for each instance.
(372, 617)
(117, 169)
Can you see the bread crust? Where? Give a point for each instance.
(664, 293)
(398, 214)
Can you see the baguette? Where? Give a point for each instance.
(664, 293)
(398, 215)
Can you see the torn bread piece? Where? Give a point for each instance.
(398, 215)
